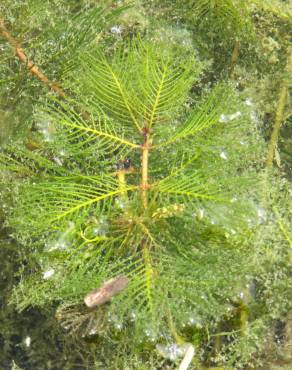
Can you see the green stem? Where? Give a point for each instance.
(243, 317)
(234, 57)
(173, 331)
(279, 118)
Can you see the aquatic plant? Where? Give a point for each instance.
(142, 210)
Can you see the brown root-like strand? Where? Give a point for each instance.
(33, 69)
(108, 289)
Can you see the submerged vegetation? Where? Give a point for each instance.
(145, 184)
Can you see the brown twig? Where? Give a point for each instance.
(234, 57)
(33, 69)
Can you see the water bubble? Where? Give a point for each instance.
(120, 203)
(223, 156)
(252, 288)
(249, 102)
(93, 331)
(71, 226)
(115, 321)
(150, 335)
(58, 161)
(100, 227)
(172, 351)
(261, 214)
(119, 326)
(250, 223)
(223, 118)
(111, 318)
(200, 213)
(27, 341)
(241, 295)
(59, 244)
(116, 30)
(47, 135)
(48, 273)
(147, 332)
(229, 117)
(235, 116)
(194, 321)
(229, 308)
(47, 129)
(62, 242)
(132, 316)
(96, 231)
(254, 117)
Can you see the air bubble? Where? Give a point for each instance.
(229, 308)
(241, 295)
(116, 30)
(101, 227)
(195, 322)
(27, 341)
(47, 129)
(93, 331)
(118, 326)
(150, 335)
(200, 213)
(48, 273)
(249, 102)
(229, 117)
(58, 161)
(120, 203)
(169, 351)
(96, 231)
(261, 214)
(254, 117)
(223, 156)
(132, 316)
(62, 242)
(223, 118)
(172, 351)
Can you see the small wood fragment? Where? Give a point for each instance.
(108, 289)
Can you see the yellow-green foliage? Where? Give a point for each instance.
(150, 166)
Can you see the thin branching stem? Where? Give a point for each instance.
(33, 69)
